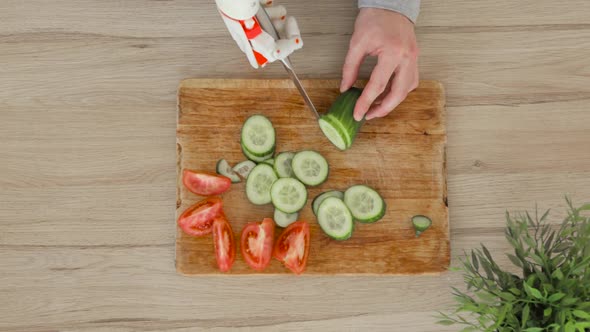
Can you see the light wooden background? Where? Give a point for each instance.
(87, 156)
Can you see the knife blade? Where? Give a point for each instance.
(266, 24)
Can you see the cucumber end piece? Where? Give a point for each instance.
(421, 224)
(332, 134)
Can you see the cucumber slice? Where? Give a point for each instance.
(259, 183)
(270, 161)
(254, 158)
(258, 136)
(285, 219)
(421, 223)
(335, 218)
(283, 164)
(244, 168)
(310, 167)
(223, 168)
(317, 201)
(288, 195)
(365, 204)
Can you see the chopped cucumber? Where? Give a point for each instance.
(335, 218)
(259, 183)
(365, 204)
(285, 219)
(244, 168)
(338, 124)
(223, 168)
(256, 158)
(310, 167)
(288, 195)
(270, 161)
(317, 201)
(258, 136)
(421, 223)
(283, 164)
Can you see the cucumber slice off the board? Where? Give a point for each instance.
(317, 201)
(310, 167)
(283, 219)
(282, 164)
(223, 168)
(335, 218)
(259, 183)
(288, 195)
(258, 136)
(365, 204)
(244, 168)
(421, 223)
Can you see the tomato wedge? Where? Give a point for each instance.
(197, 220)
(292, 247)
(257, 241)
(204, 183)
(225, 247)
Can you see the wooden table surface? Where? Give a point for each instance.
(87, 156)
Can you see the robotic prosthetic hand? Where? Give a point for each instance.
(259, 46)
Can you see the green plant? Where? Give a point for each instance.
(550, 293)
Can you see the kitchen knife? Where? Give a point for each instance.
(266, 24)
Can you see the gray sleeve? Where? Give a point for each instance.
(408, 8)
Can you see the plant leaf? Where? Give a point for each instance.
(569, 301)
(585, 207)
(474, 260)
(515, 291)
(514, 260)
(507, 296)
(533, 291)
(570, 327)
(487, 253)
(547, 312)
(556, 297)
(525, 315)
(557, 274)
(445, 322)
(469, 329)
(549, 241)
(534, 329)
(537, 259)
(581, 314)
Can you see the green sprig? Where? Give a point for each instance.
(551, 293)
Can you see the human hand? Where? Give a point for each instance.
(390, 37)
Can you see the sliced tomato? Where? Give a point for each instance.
(257, 241)
(292, 247)
(197, 220)
(225, 247)
(205, 184)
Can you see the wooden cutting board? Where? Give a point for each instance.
(402, 156)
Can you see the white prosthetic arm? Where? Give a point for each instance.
(260, 47)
